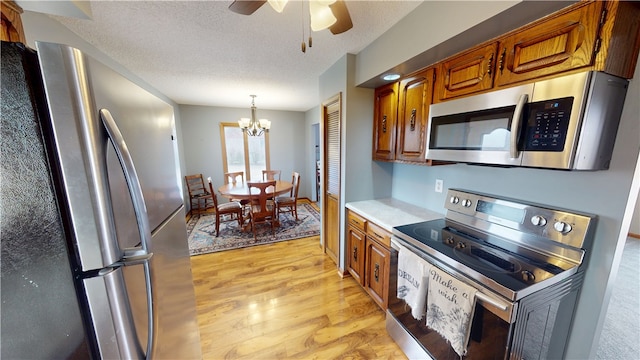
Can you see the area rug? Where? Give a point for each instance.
(202, 231)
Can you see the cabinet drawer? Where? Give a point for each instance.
(379, 234)
(356, 221)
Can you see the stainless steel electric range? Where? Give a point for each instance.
(524, 260)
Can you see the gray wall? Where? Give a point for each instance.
(604, 193)
(635, 222)
(312, 125)
(427, 26)
(203, 150)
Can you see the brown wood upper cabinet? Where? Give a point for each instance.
(467, 73)
(416, 93)
(384, 127)
(11, 29)
(401, 113)
(561, 43)
(588, 35)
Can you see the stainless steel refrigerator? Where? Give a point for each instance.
(95, 261)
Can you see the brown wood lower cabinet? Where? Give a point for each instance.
(377, 272)
(356, 246)
(368, 256)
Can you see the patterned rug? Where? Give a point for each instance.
(202, 231)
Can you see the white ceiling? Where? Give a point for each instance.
(202, 53)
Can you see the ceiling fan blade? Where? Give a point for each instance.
(339, 9)
(246, 7)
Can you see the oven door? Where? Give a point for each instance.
(482, 129)
(491, 328)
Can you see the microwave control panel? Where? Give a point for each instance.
(547, 125)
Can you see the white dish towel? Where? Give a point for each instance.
(413, 274)
(450, 306)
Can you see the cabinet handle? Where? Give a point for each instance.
(490, 65)
(355, 253)
(412, 121)
(376, 272)
(384, 123)
(501, 61)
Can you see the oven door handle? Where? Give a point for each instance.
(481, 296)
(491, 301)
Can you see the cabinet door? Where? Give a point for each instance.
(384, 127)
(416, 93)
(355, 254)
(466, 74)
(377, 272)
(562, 43)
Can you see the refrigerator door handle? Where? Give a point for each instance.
(141, 255)
(132, 256)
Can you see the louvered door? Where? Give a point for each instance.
(331, 199)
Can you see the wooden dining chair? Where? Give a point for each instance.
(262, 208)
(233, 209)
(200, 199)
(285, 204)
(271, 174)
(233, 177)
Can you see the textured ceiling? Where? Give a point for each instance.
(201, 53)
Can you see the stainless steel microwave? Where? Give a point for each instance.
(569, 123)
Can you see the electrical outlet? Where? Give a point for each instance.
(439, 185)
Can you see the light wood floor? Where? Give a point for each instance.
(285, 300)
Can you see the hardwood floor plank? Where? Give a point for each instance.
(285, 301)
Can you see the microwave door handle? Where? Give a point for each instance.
(141, 255)
(515, 126)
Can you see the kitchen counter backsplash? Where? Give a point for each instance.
(389, 212)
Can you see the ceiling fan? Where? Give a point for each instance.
(322, 11)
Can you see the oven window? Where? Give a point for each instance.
(486, 130)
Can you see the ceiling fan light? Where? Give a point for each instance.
(321, 16)
(278, 5)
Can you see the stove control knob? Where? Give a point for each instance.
(562, 227)
(449, 240)
(527, 276)
(454, 200)
(466, 202)
(461, 245)
(538, 220)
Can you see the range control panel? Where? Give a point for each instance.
(560, 225)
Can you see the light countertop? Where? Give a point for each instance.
(389, 212)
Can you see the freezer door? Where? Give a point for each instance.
(177, 334)
(119, 303)
(111, 315)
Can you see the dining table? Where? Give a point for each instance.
(240, 190)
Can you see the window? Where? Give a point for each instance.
(241, 152)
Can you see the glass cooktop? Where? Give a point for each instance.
(504, 271)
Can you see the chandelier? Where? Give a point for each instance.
(253, 126)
